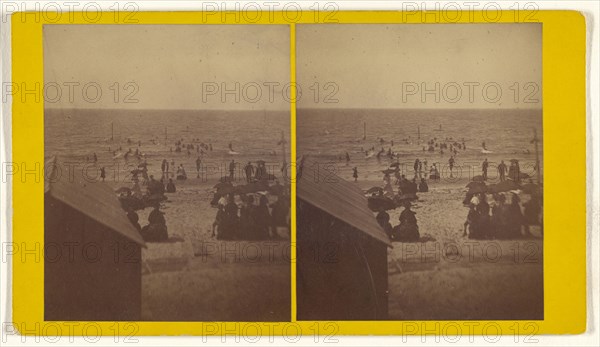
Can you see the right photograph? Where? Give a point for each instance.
(420, 172)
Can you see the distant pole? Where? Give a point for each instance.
(365, 131)
(418, 132)
(112, 131)
(165, 136)
(537, 156)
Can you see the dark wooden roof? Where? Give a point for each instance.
(95, 199)
(339, 198)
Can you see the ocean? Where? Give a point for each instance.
(76, 134)
(326, 134)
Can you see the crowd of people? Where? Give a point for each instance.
(501, 220)
(498, 220)
(133, 199)
(432, 145)
(405, 186)
(513, 171)
(253, 219)
(407, 230)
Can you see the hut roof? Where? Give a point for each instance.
(95, 199)
(339, 198)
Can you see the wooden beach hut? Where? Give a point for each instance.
(341, 250)
(92, 252)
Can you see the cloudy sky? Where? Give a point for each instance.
(391, 66)
(167, 66)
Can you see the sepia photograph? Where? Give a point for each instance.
(420, 172)
(167, 195)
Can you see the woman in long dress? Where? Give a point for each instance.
(387, 186)
(515, 217)
(407, 230)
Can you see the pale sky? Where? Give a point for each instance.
(171, 66)
(385, 66)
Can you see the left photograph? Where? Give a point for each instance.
(167, 195)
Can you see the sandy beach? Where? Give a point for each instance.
(445, 275)
(205, 279)
(194, 96)
(194, 276)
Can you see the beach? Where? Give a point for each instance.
(194, 276)
(197, 277)
(445, 275)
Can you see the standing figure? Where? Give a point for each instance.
(246, 225)
(471, 219)
(387, 185)
(499, 217)
(515, 217)
(514, 172)
(261, 171)
(163, 167)
(249, 171)
(416, 166)
(502, 171)
(198, 166)
(262, 219)
(483, 218)
(231, 169)
(248, 222)
(451, 164)
(229, 223)
(484, 169)
(423, 187)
